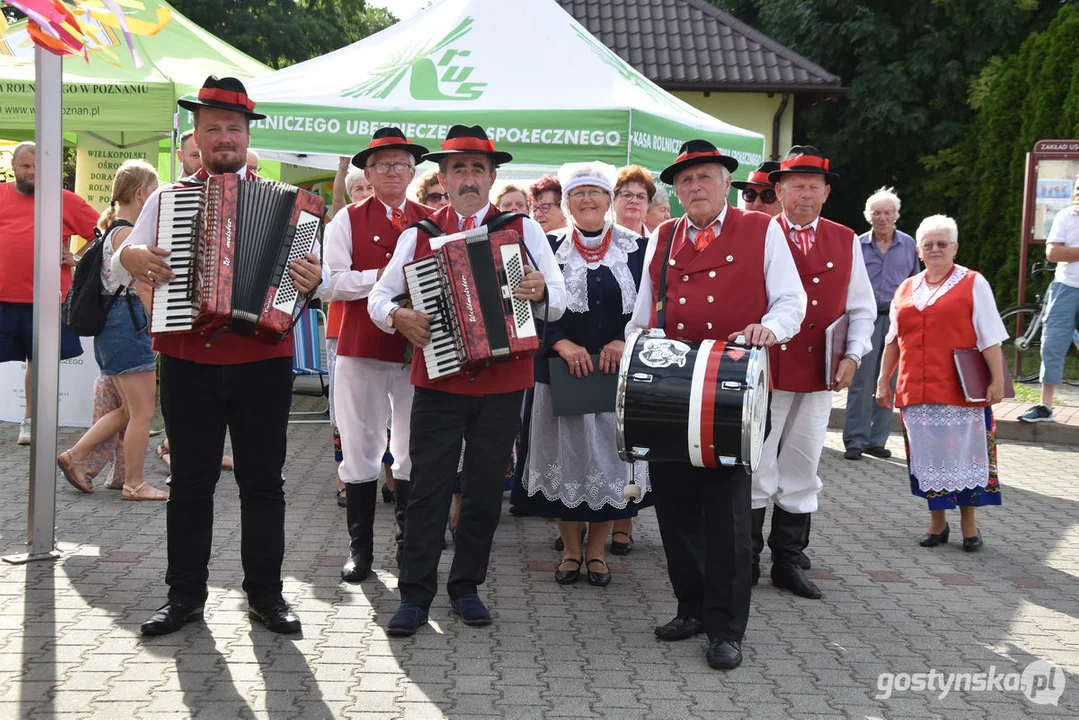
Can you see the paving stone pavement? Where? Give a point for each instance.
(69, 643)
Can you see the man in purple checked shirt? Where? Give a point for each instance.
(891, 256)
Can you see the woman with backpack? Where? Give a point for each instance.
(122, 348)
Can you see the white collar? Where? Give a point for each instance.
(719, 219)
(792, 226)
(478, 217)
(389, 210)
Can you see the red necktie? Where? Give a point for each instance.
(398, 221)
(803, 238)
(704, 238)
(469, 223)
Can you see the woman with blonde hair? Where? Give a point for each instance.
(512, 198)
(122, 349)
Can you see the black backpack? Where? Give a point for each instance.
(85, 309)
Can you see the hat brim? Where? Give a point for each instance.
(416, 151)
(196, 104)
(742, 185)
(497, 157)
(775, 175)
(670, 171)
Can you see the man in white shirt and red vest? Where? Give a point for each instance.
(729, 273)
(371, 376)
(833, 273)
(481, 409)
(210, 384)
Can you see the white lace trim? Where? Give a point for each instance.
(575, 269)
(924, 295)
(948, 446)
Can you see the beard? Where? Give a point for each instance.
(224, 162)
(24, 186)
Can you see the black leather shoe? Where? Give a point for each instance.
(471, 609)
(804, 562)
(568, 577)
(276, 616)
(407, 620)
(170, 617)
(878, 451)
(599, 579)
(971, 544)
(853, 454)
(724, 654)
(521, 511)
(681, 628)
(934, 539)
(619, 547)
(357, 568)
(793, 578)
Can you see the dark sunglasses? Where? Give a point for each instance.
(436, 197)
(767, 196)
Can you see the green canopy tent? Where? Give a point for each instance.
(460, 61)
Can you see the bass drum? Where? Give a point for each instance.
(680, 401)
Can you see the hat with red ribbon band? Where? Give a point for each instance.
(759, 176)
(388, 138)
(464, 140)
(804, 159)
(226, 93)
(696, 152)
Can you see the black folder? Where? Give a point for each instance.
(581, 396)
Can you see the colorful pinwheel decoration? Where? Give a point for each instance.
(63, 27)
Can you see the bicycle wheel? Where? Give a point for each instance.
(1023, 353)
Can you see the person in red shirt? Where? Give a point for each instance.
(17, 266)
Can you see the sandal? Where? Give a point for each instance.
(568, 577)
(163, 454)
(73, 473)
(621, 548)
(145, 491)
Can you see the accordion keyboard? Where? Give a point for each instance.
(513, 263)
(173, 308)
(444, 354)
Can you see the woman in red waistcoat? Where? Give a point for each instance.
(951, 442)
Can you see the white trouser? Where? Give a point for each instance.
(788, 470)
(364, 391)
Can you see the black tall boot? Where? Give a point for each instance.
(360, 514)
(757, 518)
(788, 532)
(401, 489)
(803, 560)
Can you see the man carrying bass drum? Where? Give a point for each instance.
(718, 252)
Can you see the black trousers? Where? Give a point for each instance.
(199, 402)
(704, 520)
(519, 495)
(440, 421)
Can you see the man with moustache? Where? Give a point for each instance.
(830, 264)
(758, 192)
(188, 154)
(371, 376)
(482, 410)
(210, 384)
(729, 273)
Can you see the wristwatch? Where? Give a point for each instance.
(389, 318)
(855, 359)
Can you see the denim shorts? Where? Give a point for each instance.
(17, 334)
(123, 347)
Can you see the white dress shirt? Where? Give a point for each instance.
(392, 284)
(346, 283)
(782, 284)
(145, 233)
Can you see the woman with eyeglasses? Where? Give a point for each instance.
(758, 192)
(633, 193)
(545, 202)
(951, 441)
(430, 192)
(574, 472)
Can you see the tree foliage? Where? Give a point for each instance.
(283, 32)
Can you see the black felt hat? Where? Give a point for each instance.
(226, 93)
(696, 152)
(388, 138)
(758, 176)
(804, 159)
(464, 140)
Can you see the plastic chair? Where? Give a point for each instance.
(307, 361)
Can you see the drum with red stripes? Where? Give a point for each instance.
(703, 403)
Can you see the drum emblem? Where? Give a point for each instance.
(736, 354)
(661, 353)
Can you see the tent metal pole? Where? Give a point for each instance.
(48, 233)
(122, 145)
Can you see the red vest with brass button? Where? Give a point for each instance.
(497, 377)
(335, 312)
(718, 290)
(373, 242)
(927, 337)
(798, 364)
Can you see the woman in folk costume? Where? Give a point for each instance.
(951, 442)
(573, 459)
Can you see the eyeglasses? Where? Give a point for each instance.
(940, 245)
(591, 194)
(628, 196)
(384, 168)
(767, 196)
(543, 207)
(436, 197)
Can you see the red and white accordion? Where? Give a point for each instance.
(231, 242)
(467, 287)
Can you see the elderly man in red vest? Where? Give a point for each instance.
(730, 273)
(210, 384)
(371, 376)
(483, 410)
(833, 273)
